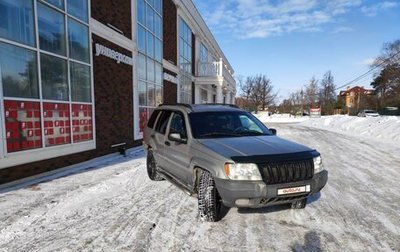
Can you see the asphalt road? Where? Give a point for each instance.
(115, 207)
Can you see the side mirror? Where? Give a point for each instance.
(176, 137)
(273, 131)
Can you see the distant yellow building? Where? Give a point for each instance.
(353, 97)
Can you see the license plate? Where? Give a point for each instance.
(291, 190)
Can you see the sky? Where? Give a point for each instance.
(291, 41)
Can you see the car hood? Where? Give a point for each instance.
(253, 146)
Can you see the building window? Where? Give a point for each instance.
(51, 30)
(18, 69)
(149, 68)
(203, 60)
(78, 36)
(185, 61)
(16, 21)
(65, 100)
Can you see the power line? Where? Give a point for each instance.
(369, 71)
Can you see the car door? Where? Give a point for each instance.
(159, 137)
(177, 156)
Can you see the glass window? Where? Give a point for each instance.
(78, 9)
(57, 3)
(150, 45)
(149, 18)
(141, 39)
(158, 50)
(51, 30)
(150, 70)
(142, 89)
(153, 118)
(151, 96)
(157, 6)
(149, 41)
(158, 74)
(178, 125)
(78, 35)
(142, 67)
(141, 11)
(162, 121)
(80, 82)
(159, 95)
(16, 21)
(157, 26)
(54, 78)
(18, 72)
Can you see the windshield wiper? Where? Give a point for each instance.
(229, 134)
(252, 133)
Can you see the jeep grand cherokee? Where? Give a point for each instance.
(225, 155)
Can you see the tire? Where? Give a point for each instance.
(208, 198)
(300, 204)
(152, 167)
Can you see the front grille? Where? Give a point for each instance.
(286, 172)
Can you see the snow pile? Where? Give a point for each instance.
(386, 128)
(280, 118)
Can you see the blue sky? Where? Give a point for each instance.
(291, 41)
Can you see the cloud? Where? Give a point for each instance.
(342, 29)
(267, 18)
(367, 62)
(374, 9)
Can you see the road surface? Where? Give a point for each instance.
(115, 207)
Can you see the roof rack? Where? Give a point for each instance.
(177, 104)
(222, 104)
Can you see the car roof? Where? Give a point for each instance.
(201, 107)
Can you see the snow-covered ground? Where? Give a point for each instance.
(280, 118)
(382, 128)
(113, 206)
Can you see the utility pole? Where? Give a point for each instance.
(301, 93)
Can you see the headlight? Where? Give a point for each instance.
(318, 167)
(242, 171)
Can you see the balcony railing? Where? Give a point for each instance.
(213, 69)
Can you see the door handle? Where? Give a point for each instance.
(167, 143)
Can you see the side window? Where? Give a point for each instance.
(153, 118)
(162, 122)
(178, 125)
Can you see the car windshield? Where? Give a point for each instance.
(221, 124)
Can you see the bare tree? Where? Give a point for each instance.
(261, 91)
(311, 93)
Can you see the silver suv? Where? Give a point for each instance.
(224, 155)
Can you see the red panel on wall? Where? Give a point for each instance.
(56, 123)
(22, 124)
(82, 122)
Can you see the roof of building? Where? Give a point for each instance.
(357, 90)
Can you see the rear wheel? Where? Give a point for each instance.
(208, 198)
(300, 204)
(152, 167)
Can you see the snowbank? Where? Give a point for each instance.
(385, 128)
(279, 118)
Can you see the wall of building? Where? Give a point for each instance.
(113, 92)
(170, 32)
(114, 13)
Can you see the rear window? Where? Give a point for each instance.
(162, 122)
(153, 118)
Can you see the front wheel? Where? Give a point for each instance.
(208, 198)
(152, 167)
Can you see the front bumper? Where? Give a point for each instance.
(257, 194)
